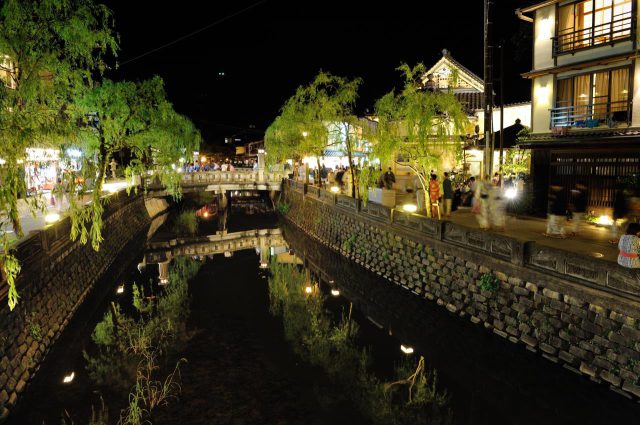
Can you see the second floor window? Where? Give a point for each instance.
(592, 22)
(593, 99)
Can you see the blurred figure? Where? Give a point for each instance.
(481, 203)
(447, 195)
(388, 179)
(434, 196)
(497, 208)
(629, 246)
(556, 211)
(620, 211)
(579, 199)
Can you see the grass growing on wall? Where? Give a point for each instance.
(411, 398)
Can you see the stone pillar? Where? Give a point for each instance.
(261, 165)
(265, 252)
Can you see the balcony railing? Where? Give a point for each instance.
(570, 40)
(591, 115)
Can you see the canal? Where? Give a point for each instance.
(236, 361)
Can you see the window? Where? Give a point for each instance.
(592, 22)
(592, 99)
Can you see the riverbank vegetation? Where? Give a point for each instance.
(411, 397)
(136, 351)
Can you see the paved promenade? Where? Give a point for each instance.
(591, 240)
(59, 206)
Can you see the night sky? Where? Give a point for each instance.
(274, 46)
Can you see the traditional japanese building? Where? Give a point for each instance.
(449, 74)
(585, 118)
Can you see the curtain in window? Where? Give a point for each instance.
(563, 93)
(622, 18)
(566, 35)
(600, 94)
(581, 92)
(619, 89)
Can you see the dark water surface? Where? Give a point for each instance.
(240, 369)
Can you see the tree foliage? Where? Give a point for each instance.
(50, 50)
(52, 57)
(319, 115)
(418, 127)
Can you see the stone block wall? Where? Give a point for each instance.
(590, 330)
(57, 274)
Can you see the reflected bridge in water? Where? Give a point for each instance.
(266, 242)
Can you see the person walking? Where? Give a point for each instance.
(579, 199)
(388, 179)
(497, 208)
(434, 196)
(629, 246)
(620, 211)
(481, 203)
(114, 166)
(447, 195)
(556, 211)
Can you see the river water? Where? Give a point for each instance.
(240, 369)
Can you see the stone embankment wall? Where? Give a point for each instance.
(57, 274)
(578, 312)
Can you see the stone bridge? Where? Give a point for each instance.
(222, 181)
(263, 240)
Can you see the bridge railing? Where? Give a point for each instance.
(232, 177)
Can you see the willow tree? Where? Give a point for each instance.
(317, 116)
(50, 50)
(135, 116)
(416, 127)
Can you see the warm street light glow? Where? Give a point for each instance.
(120, 289)
(264, 265)
(605, 220)
(51, 217)
(406, 349)
(308, 289)
(335, 189)
(67, 379)
(511, 193)
(260, 150)
(410, 208)
(205, 214)
(203, 159)
(114, 186)
(335, 292)
(163, 282)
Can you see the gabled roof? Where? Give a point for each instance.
(468, 81)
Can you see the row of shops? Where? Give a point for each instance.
(43, 167)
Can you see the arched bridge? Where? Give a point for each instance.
(221, 181)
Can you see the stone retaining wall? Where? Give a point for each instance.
(57, 274)
(586, 324)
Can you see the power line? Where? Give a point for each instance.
(179, 39)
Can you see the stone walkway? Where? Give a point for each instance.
(592, 241)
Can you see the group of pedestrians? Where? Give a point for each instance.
(226, 165)
(566, 210)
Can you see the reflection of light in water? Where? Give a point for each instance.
(406, 349)
(67, 379)
(597, 254)
(335, 292)
(120, 289)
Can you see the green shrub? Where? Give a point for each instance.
(283, 207)
(489, 283)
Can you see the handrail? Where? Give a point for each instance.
(591, 115)
(570, 40)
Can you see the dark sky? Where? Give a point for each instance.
(275, 46)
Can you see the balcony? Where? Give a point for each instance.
(591, 115)
(570, 40)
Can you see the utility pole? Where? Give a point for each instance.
(488, 91)
(501, 109)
